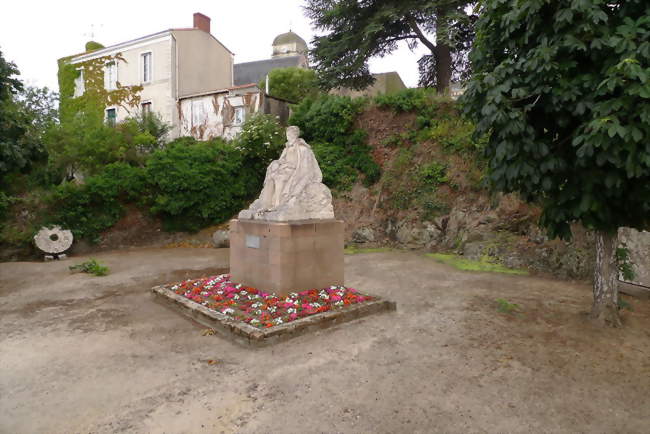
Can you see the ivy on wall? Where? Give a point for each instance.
(95, 98)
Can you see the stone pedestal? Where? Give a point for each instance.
(285, 257)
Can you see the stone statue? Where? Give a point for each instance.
(293, 187)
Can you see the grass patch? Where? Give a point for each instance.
(353, 250)
(469, 265)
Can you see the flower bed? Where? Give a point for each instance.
(262, 309)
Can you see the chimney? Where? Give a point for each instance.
(201, 22)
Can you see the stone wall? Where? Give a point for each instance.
(638, 244)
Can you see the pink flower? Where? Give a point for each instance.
(293, 316)
(335, 298)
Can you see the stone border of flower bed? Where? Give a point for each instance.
(246, 334)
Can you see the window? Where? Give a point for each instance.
(110, 76)
(146, 67)
(79, 86)
(111, 116)
(146, 108)
(240, 115)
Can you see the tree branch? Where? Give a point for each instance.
(414, 26)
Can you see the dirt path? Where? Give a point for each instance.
(87, 354)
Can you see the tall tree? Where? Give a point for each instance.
(292, 83)
(22, 120)
(563, 91)
(361, 29)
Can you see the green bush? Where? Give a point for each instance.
(260, 142)
(407, 100)
(293, 84)
(433, 174)
(87, 144)
(327, 118)
(96, 205)
(337, 173)
(197, 184)
(327, 123)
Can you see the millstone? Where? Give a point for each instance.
(53, 240)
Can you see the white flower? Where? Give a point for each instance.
(228, 311)
(291, 310)
(236, 297)
(243, 292)
(255, 321)
(278, 320)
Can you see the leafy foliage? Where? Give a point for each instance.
(86, 143)
(625, 264)
(407, 100)
(198, 184)
(433, 174)
(293, 84)
(24, 114)
(327, 123)
(96, 205)
(95, 96)
(260, 141)
(563, 91)
(357, 31)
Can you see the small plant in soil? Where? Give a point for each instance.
(504, 306)
(91, 266)
(624, 305)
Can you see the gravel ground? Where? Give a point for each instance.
(89, 354)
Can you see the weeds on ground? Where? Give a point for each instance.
(353, 250)
(91, 266)
(504, 306)
(624, 305)
(469, 265)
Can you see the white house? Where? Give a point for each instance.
(169, 65)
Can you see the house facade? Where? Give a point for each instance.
(154, 72)
(222, 113)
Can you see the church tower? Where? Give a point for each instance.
(289, 44)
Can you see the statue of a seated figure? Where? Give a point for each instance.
(293, 187)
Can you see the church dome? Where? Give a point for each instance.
(289, 38)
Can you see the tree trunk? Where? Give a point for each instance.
(443, 67)
(442, 51)
(605, 307)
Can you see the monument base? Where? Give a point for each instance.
(284, 257)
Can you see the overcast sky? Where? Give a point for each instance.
(34, 34)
